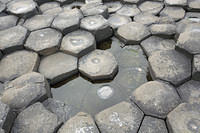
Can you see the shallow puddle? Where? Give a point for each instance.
(95, 97)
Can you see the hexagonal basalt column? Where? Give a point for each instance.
(45, 41)
(132, 33)
(120, 118)
(38, 22)
(31, 86)
(190, 91)
(98, 26)
(116, 20)
(176, 2)
(67, 21)
(12, 39)
(36, 119)
(171, 66)
(23, 8)
(78, 43)
(153, 98)
(98, 65)
(163, 30)
(8, 21)
(151, 7)
(184, 119)
(82, 122)
(128, 10)
(113, 6)
(189, 41)
(153, 125)
(58, 67)
(17, 64)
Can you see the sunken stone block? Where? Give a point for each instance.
(36, 119)
(6, 117)
(22, 8)
(20, 62)
(189, 41)
(168, 66)
(196, 67)
(81, 122)
(38, 22)
(61, 109)
(190, 91)
(8, 21)
(153, 125)
(184, 119)
(58, 67)
(44, 41)
(12, 39)
(153, 98)
(132, 33)
(26, 90)
(120, 118)
(98, 65)
(97, 25)
(78, 43)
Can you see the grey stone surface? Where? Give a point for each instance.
(163, 29)
(153, 125)
(2, 131)
(20, 62)
(78, 43)
(176, 2)
(153, 98)
(190, 91)
(168, 66)
(35, 119)
(67, 21)
(128, 10)
(8, 21)
(24, 8)
(175, 13)
(82, 122)
(146, 19)
(12, 39)
(132, 33)
(185, 119)
(2, 6)
(113, 6)
(38, 22)
(49, 5)
(189, 41)
(131, 1)
(53, 11)
(6, 117)
(75, 4)
(58, 67)
(95, 9)
(26, 90)
(93, 1)
(120, 118)
(97, 25)
(154, 44)
(44, 41)
(196, 67)
(194, 4)
(151, 7)
(61, 109)
(116, 20)
(98, 65)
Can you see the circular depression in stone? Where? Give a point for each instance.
(105, 92)
(78, 43)
(98, 65)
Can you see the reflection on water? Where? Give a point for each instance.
(95, 97)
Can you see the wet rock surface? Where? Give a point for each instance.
(99, 66)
